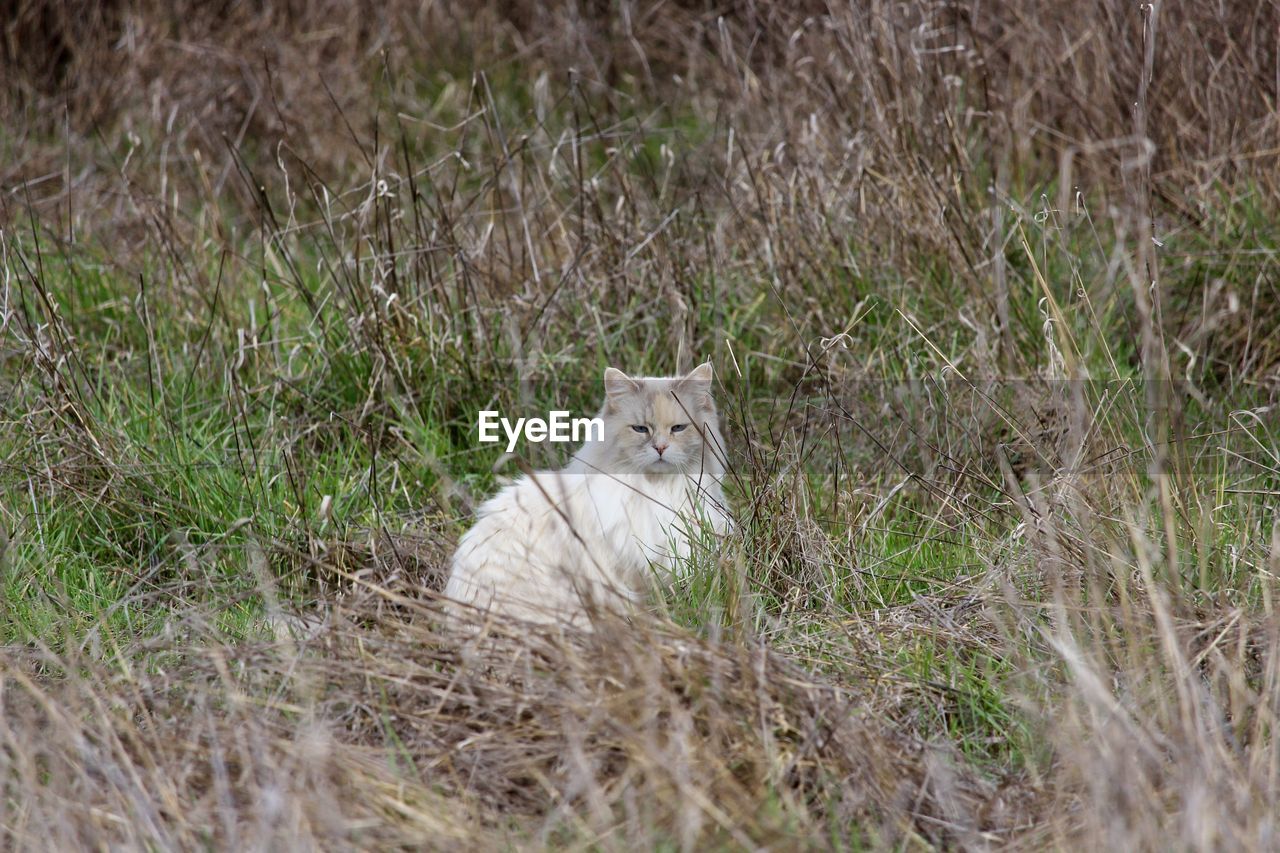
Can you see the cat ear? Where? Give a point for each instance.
(701, 373)
(697, 383)
(618, 384)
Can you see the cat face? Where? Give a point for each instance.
(661, 425)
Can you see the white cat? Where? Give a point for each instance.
(551, 544)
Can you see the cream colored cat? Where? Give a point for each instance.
(549, 545)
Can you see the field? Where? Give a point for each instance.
(993, 297)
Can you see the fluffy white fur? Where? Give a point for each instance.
(549, 545)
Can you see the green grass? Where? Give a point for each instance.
(211, 440)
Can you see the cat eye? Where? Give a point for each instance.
(640, 428)
(679, 427)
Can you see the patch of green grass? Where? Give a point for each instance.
(969, 695)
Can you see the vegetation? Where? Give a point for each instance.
(992, 296)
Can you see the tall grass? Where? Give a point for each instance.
(991, 295)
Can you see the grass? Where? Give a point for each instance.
(998, 380)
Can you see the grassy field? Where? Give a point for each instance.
(993, 297)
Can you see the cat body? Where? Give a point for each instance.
(553, 543)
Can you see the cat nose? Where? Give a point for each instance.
(660, 448)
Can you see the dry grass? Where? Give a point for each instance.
(384, 731)
(992, 295)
